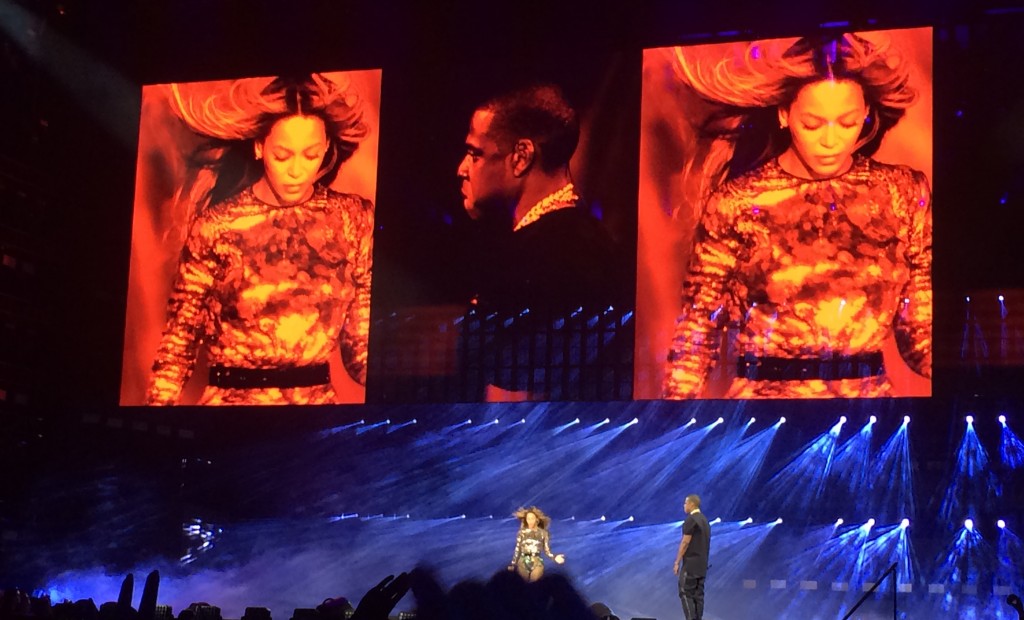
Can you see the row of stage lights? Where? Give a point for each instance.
(867, 525)
(969, 524)
(361, 426)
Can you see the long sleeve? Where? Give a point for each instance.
(355, 334)
(705, 307)
(547, 544)
(913, 322)
(519, 548)
(187, 316)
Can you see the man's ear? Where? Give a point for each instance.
(523, 154)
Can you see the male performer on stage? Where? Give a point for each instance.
(692, 559)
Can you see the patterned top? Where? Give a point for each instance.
(258, 295)
(531, 543)
(808, 269)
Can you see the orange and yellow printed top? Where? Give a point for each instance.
(808, 269)
(263, 286)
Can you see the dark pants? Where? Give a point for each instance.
(691, 593)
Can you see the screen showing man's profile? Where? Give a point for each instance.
(785, 218)
(252, 241)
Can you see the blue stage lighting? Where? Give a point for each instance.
(970, 419)
(969, 524)
(633, 421)
(842, 419)
(782, 420)
(905, 523)
(839, 521)
(869, 524)
(751, 421)
(496, 420)
(872, 419)
(778, 521)
(747, 521)
(1001, 524)
(630, 519)
(720, 420)
(1002, 420)
(716, 521)
(1000, 299)
(906, 420)
(603, 518)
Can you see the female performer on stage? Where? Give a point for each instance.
(532, 540)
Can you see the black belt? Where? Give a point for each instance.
(286, 377)
(802, 368)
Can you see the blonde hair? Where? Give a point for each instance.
(234, 115)
(763, 76)
(543, 521)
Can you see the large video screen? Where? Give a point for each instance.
(735, 220)
(785, 228)
(252, 241)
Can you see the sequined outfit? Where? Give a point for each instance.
(531, 547)
(808, 269)
(263, 286)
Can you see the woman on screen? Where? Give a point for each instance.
(814, 251)
(532, 544)
(274, 277)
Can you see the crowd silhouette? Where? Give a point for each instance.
(505, 596)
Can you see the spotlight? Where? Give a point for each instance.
(576, 421)
(717, 520)
(1002, 420)
(906, 420)
(633, 421)
(1000, 299)
(969, 525)
(904, 524)
(872, 419)
(469, 421)
(842, 419)
(968, 298)
(720, 420)
(606, 421)
(692, 421)
(782, 420)
(630, 519)
(970, 419)
(747, 521)
(751, 421)
(603, 518)
(496, 420)
(839, 521)
(388, 421)
(1001, 524)
(778, 521)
